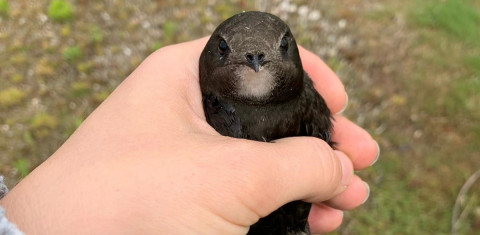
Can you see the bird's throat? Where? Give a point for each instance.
(254, 85)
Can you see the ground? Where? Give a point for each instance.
(411, 69)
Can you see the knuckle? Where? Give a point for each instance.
(327, 168)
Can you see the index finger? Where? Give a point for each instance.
(325, 80)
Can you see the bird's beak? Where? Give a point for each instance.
(255, 61)
(256, 65)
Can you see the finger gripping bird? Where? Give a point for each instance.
(254, 87)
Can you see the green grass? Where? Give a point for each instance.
(79, 89)
(95, 34)
(42, 120)
(418, 188)
(72, 54)
(156, 45)
(60, 10)
(473, 62)
(85, 67)
(72, 125)
(455, 17)
(452, 31)
(464, 97)
(23, 167)
(4, 7)
(16, 78)
(416, 181)
(170, 29)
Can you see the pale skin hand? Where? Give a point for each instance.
(146, 162)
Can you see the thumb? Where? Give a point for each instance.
(299, 168)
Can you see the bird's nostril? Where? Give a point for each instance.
(261, 56)
(249, 58)
(252, 58)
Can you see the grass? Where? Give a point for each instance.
(72, 54)
(95, 34)
(428, 109)
(23, 167)
(85, 67)
(156, 45)
(79, 89)
(44, 68)
(456, 18)
(170, 29)
(16, 78)
(4, 7)
(10, 97)
(473, 62)
(60, 10)
(458, 23)
(416, 182)
(42, 123)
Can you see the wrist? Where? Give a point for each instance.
(16, 211)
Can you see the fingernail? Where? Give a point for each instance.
(347, 168)
(378, 154)
(368, 192)
(345, 105)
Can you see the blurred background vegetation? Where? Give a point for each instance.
(411, 68)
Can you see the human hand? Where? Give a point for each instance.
(146, 161)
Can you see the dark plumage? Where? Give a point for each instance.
(254, 87)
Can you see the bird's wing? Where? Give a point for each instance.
(221, 116)
(316, 121)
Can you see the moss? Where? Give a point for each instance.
(10, 97)
(100, 97)
(41, 124)
(72, 54)
(79, 89)
(95, 34)
(60, 10)
(16, 78)
(43, 120)
(85, 67)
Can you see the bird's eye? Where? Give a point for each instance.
(284, 43)
(222, 46)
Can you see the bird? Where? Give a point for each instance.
(254, 87)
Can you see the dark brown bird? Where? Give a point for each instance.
(254, 87)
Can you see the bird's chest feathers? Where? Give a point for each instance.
(254, 84)
(270, 115)
(269, 122)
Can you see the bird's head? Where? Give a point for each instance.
(253, 58)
